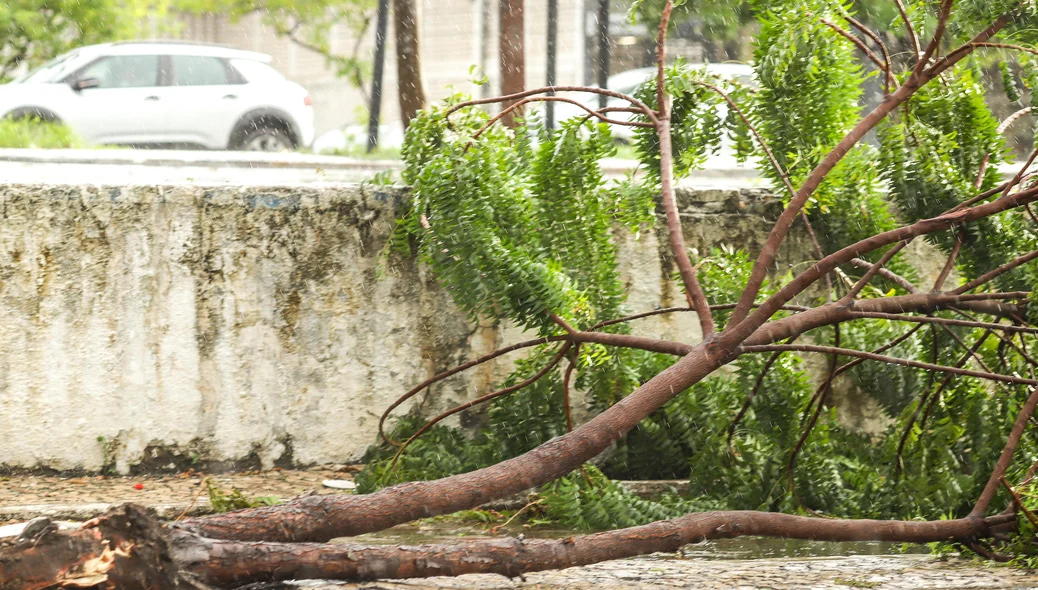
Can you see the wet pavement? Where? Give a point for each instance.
(903, 572)
(733, 563)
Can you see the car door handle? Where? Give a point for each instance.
(230, 96)
(152, 97)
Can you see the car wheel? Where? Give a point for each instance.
(266, 138)
(35, 113)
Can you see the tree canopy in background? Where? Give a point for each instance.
(307, 23)
(34, 31)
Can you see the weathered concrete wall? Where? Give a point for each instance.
(186, 324)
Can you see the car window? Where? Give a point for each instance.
(196, 70)
(123, 71)
(255, 71)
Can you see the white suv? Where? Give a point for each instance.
(166, 93)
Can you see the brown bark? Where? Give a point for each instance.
(693, 291)
(228, 563)
(511, 48)
(407, 28)
(127, 549)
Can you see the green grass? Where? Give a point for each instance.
(32, 133)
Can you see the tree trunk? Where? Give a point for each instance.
(407, 28)
(512, 52)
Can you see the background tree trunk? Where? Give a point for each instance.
(408, 28)
(512, 51)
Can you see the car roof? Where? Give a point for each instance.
(167, 47)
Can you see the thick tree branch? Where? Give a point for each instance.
(733, 336)
(229, 563)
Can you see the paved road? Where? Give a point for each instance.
(902, 572)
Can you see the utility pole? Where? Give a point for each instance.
(374, 111)
(553, 33)
(603, 49)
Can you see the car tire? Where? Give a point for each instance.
(264, 137)
(36, 113)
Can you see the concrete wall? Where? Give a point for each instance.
(246, 326)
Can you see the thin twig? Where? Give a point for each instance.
(820, 396)
(643, 108)
(519, 104)
(886, 273)
(479, 400)
(1006, 457)
(908, 26)
(860, 45)
(462, 367)
(864, 280)
(984, 278)
(943, 13)
(950, 263)
(890, 80)
(1020, 503)
(943, 321)
(887, 359)
(675, 231)
(748, 401)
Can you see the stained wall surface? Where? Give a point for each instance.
(165, 327)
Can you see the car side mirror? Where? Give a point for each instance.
(84, 83)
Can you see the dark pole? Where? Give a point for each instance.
(376, 74)
(553, 33)
(603, 49)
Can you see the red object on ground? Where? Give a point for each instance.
(138, 486)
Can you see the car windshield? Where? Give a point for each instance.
(50, 70)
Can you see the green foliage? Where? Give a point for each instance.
(519, 224)
(588, 500)
(932, 165)
(510, 242)
(34, 31)
(224, 501)
(31, 133)
(307, 23)
(696, 122)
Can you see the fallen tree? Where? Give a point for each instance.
(537, 250)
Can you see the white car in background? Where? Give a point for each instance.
(627, 82)
(166, 93)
